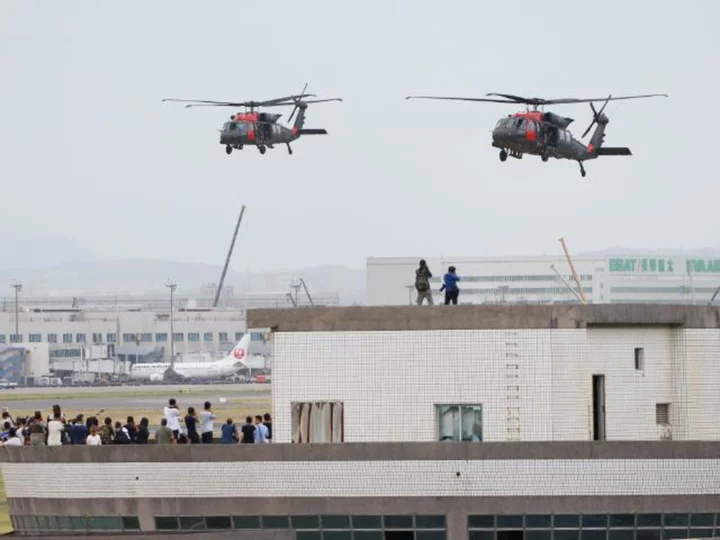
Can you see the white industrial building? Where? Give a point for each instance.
(635, 279)
(495, 373)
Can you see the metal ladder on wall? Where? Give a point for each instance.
(512, 387)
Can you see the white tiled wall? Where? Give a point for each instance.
(491, 478)
(391, 381)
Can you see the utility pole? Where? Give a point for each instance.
(172, 287)
(227, 259)
(18, 288)
(302, 281)
(296, 286)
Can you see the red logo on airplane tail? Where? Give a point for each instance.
(239, 354)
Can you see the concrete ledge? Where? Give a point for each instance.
(480, 317)
(420, 451)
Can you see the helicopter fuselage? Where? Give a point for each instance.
(543, 134)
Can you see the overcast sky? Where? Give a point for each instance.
(90, 155)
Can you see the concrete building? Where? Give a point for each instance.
(494, 373)
(606, 279)
(496, 422)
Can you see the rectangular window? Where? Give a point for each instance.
(222, 337)
(178, 336)
(131, 523)
(112, 338)
(166, 523)
(662, 414)
(192, 523)
(35, 338)
(16, 338)
(239, 335)
(459, 422)
(639, 358)
(326, 426)
(246, 522)
(80, 338)
(128, 338)
(193, 336)
(146, 338)
(3, 338)
(67, 338)
(208, 336)
(218, 522)
(97, 338)
(161, 337)
(256, 336)
(52, 338)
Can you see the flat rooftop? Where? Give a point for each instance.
(481, 317)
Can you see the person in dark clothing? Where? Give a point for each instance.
(121, 434)
(267, 420)
(422, 284)
(191, 425)
(143, 433)
(131, 429)
(107, 434)
(79, 431)
(452, 291)
(248, 431)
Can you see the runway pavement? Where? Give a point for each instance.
(148, 397)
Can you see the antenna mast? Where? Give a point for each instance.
(227, 259)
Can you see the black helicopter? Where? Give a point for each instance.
(545, 133)
(261, 129)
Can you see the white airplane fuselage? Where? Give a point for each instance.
(231, 364)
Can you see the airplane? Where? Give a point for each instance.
(162, 371)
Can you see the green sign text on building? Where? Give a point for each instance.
(703, 266)
(642, 265)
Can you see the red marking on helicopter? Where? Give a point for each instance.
(294, 130)
(531, 135)
(251, 135)
(590, 148)
(536, 116)
(247, 117)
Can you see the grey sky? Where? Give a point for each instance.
(89, 152)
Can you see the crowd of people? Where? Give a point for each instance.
(175, 428)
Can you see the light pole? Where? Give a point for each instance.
(172, 287)
(18, 288)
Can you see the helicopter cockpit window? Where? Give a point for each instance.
(231, 126)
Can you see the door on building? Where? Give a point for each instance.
(598, 388)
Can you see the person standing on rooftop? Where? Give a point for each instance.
(452, 291)
(206, 423)
(422, 283)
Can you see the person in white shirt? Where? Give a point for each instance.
(13, 439)
(206, 424)
(172, 415)
(55, 429)
(93, 439)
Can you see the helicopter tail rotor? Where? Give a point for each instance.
(596, 115)
(297, 101)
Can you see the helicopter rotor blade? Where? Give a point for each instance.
(462, 99)
(287, 100)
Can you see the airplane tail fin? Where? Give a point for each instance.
(240, 352)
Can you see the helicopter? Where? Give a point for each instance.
(261, 129)
(545, 133)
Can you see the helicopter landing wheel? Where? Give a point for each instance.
(228, 149)
(544, 156)
(503, 155)
(262, 149)
(582, 170)
(289, 149)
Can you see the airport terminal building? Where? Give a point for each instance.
(498, 422)
(607, 279)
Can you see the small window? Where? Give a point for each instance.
(459, 423)
(35, 338)
(131, 523)
(111, 338)
(367, 522)
(246, 522)
(193, 336)
(639, 358)
(67, 338)
(169, 523)
(222, 337)
(146, 338)
(161, 337)
(662, 414)
(305, 522)
(178, 336)
(80, 338)
(335, 522)
(192, 523)
(218, 522)
(239, 336)
(275, 522)
(16, 338)
(208, 336)
(2, 338)
(329, 429)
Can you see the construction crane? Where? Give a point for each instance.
(227, 259)
(574, 273)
